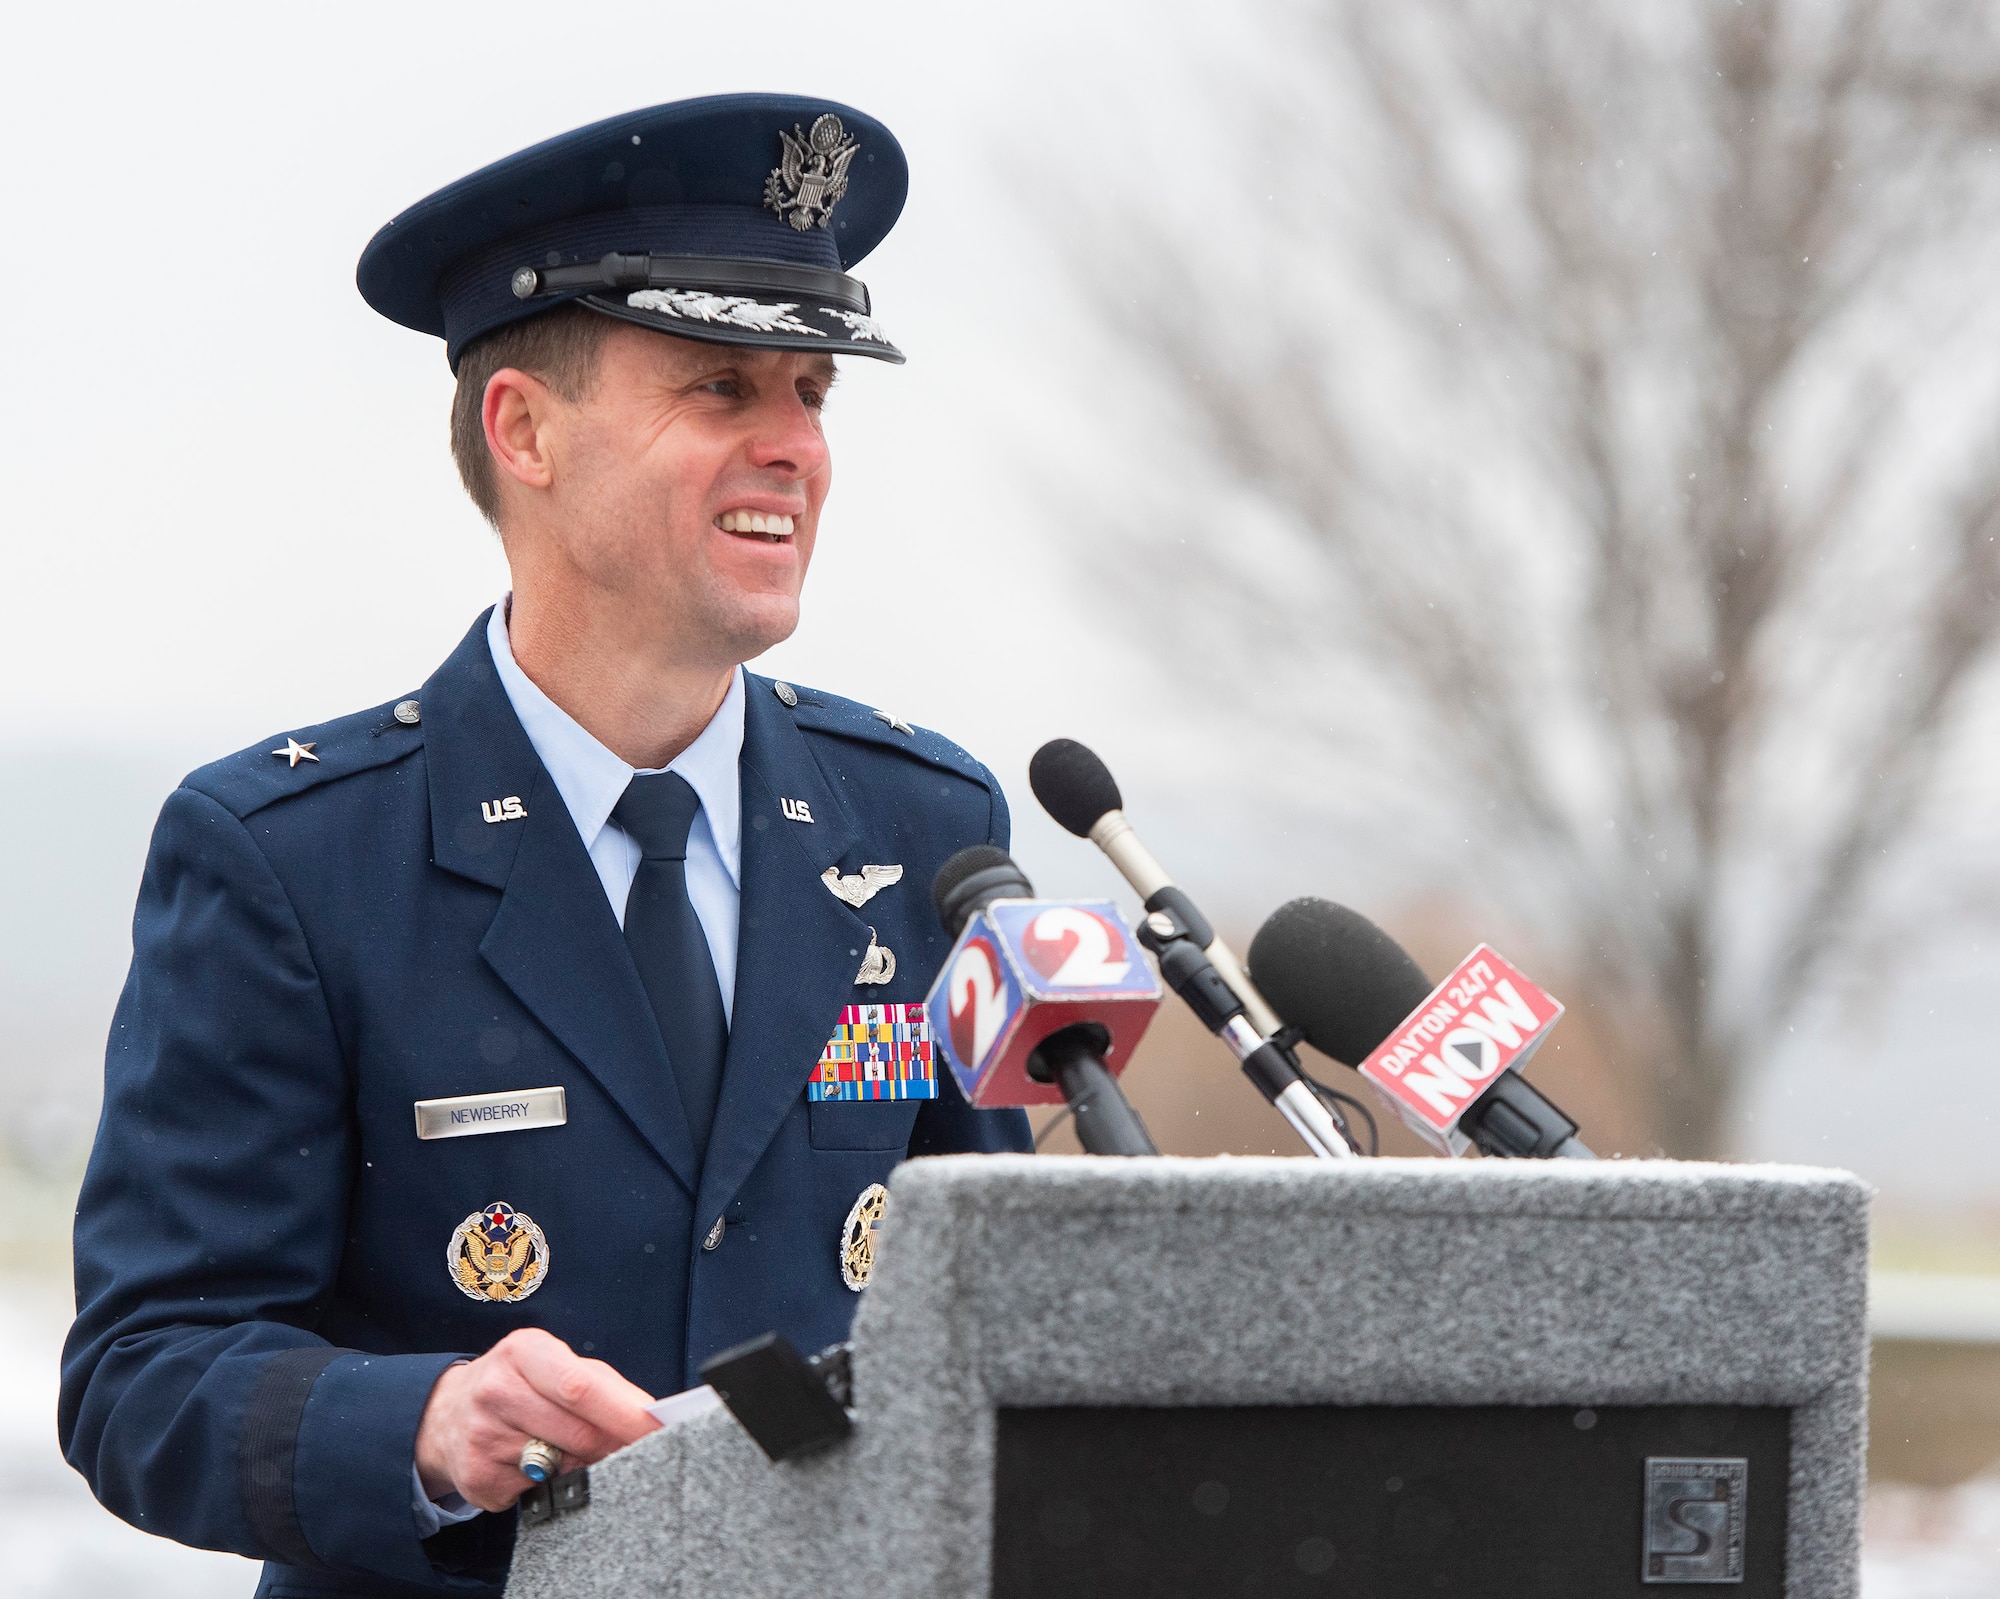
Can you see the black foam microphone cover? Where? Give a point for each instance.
(971, 878)
(1335, 976)
(1074, 786)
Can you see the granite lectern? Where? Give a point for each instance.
(1271, 1377)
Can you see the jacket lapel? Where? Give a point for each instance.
(798, 947)
(554, 940)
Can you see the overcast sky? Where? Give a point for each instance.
(231, 510)
(232, 503)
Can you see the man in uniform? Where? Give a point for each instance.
(492, 1057)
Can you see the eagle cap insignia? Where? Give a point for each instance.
(498, 1255)
(811, 174)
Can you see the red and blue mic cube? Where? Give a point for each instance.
(1026, 968)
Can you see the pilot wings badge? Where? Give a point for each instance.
(498, 1255)
(811, 175)
(859, 888)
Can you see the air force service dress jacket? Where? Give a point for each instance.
(263, 1293)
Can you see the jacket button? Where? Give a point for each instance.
(714, 1235)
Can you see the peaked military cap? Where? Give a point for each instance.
(732, 219)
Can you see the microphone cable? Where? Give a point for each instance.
(1051, 1125)
(1288, 1038)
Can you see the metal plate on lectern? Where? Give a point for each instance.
(1694, 1519)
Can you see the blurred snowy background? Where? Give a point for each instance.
(1400, 439)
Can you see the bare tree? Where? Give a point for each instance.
(1616, 385)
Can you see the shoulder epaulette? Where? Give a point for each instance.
(289, 764)
(820, 712)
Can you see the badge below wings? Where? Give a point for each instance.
(876, 1052)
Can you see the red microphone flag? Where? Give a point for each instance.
(1483, 1018)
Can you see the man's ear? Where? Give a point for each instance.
(518, 412)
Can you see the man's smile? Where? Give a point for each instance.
(772, 526)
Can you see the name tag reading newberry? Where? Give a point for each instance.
(471, 1114)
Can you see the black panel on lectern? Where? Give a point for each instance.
(1362, 1502)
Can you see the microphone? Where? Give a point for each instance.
(1078, 790)
(1445, 1058)
(1043, 1000)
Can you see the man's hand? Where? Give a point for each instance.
(529, 1385)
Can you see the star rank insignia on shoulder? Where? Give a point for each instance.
(295, 752)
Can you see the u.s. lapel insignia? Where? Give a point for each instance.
(878, 965)
(857, 1236)
(876, 1052)
(858, 890)
(498, 1255)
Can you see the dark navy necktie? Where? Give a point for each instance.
(668, 945)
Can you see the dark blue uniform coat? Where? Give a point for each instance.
(263, 1296)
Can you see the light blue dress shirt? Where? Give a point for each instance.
(591, 781)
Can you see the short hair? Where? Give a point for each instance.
(560, 347)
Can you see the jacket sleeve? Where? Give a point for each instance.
(947, 1125)
(197, 1400)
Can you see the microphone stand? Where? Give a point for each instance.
(1106, 1123)
(1191, 974)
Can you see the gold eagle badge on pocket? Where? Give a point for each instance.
(498, 1255)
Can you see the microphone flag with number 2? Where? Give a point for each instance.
(1023, 969)
(1483, 1018)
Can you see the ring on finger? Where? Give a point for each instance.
(540, 1460)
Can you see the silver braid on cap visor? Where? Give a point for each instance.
(768, 298)
(859, 324)
(731, 310)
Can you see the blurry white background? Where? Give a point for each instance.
(231, 511)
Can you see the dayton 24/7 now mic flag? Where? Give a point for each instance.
(1483, 1018)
